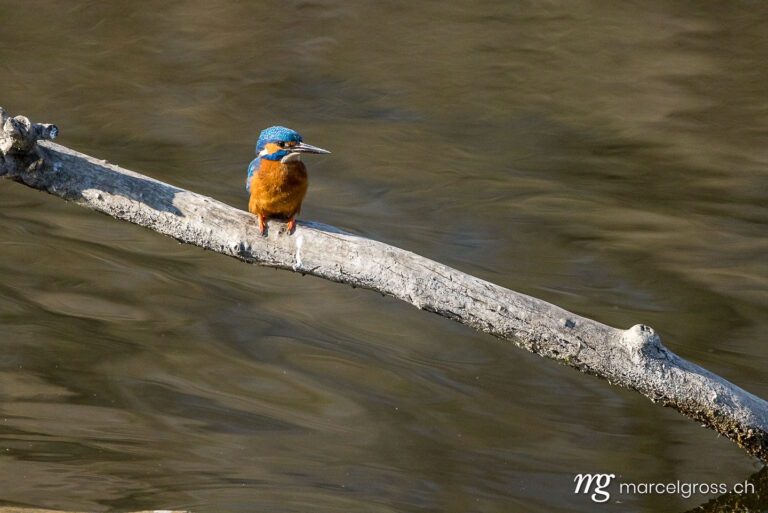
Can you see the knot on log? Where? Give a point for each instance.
(641, 342)
(19, 135)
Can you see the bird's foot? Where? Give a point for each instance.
(261, 223)
(291, 225)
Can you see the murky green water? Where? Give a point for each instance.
(609, 157)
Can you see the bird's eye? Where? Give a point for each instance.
(281, 144)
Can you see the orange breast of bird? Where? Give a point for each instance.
(278, 189)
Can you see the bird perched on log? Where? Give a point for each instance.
(277, 178)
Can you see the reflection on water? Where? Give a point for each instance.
(608, 157)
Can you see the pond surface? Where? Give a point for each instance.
(609, 157)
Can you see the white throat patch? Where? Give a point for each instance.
(291, 157)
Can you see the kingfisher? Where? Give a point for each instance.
(277, 178)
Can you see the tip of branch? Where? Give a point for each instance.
(20, 135)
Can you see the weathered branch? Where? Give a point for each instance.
(632, 358)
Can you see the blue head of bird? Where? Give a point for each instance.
(279, 143)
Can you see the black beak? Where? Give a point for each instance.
(307, 148)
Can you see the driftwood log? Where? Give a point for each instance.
(632, 358)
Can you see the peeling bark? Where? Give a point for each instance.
(632, 358)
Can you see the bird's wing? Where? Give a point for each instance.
(253, 167)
